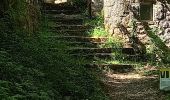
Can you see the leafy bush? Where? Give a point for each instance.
(30, 70)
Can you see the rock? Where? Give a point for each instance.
(167, 31)
(126, 21)
(165, 25)
(168, 16)
(159, 15)
(140, 26)
(117, 31)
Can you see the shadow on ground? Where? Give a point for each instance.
(132, 86)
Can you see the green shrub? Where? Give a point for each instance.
(30, 70)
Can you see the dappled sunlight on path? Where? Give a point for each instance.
(132, 86)
(125, 76)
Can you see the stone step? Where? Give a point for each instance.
(65, 6)
(94, 44)
(93, 55)
(66, 30)
(129, 51)
(70, 32)
(86, 44)
(130, 57)
(109, 56)
(87, 50)
(67, 12)
(80, 38)
(70, 27)
(120, 68)
(67, 21)
(64, 16)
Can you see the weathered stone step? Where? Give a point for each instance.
(67, 21)
(67, 12)
(94, 55)
(70, 27)
(90, 50)
(129, 51)
(86, 44)
(129, 57)
(51, 6)
(80, 38)
(93, 44)
(87, 50)
(67, 30)
(120, 68)
(64, 16)
(110, 56)
(70, 32)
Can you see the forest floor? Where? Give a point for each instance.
(132, 86)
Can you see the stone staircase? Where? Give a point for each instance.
(68, 27)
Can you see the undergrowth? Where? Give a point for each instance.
(98, 30)
(159, 48)
(30, 70)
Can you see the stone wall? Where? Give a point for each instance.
(113, 10)
(124, 13)
(162, 17)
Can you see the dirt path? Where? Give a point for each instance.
(132, 86)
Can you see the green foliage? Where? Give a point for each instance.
(151, 72)
(168, 96)
(30, 70)
(81, 4)
(158, 47)
(98, 28)
(98, 32)
(97, 25)
(96, 22)
(72, 78)
(20, 82)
